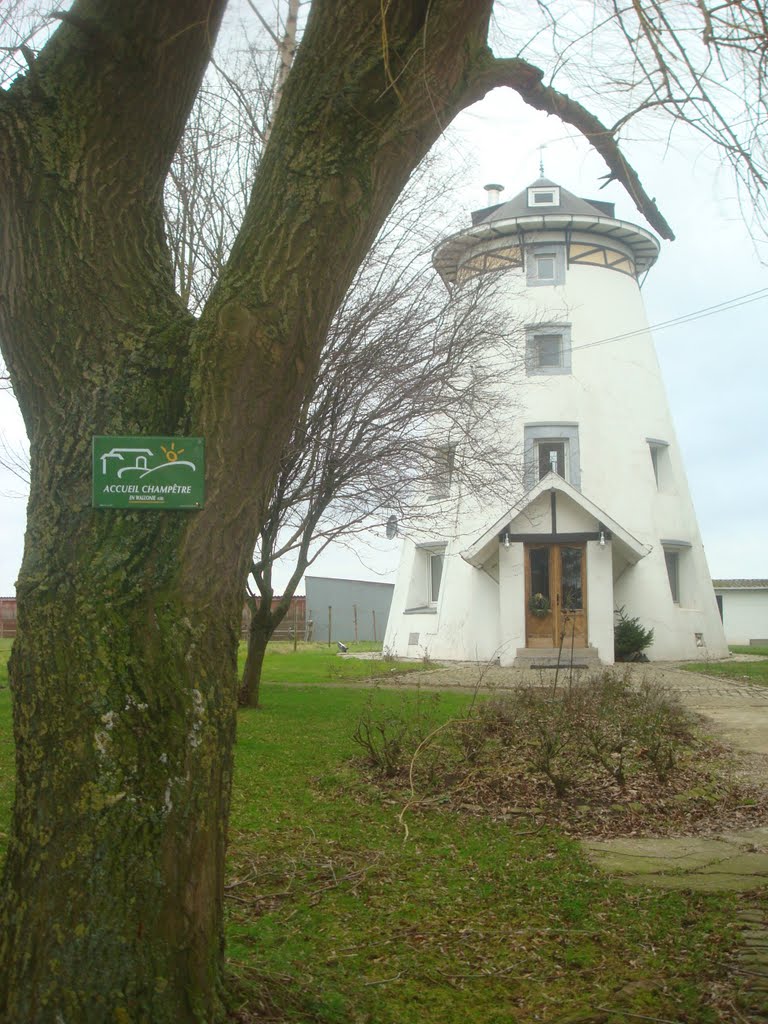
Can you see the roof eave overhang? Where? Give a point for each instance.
(486, 545)
(644, 246)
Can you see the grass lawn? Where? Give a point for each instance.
(334, 918)
(749, 649)
(321, 663)
(740, 671)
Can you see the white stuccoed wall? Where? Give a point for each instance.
(745, 614)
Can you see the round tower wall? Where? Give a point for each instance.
(588, 387)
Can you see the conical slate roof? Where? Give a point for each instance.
(519, 206)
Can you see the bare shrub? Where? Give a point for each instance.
(604, 724)
(389, 736)
(600, 730)
(662, 729)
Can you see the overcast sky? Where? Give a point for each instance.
(715, 368)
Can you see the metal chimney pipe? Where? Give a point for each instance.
(494, 194)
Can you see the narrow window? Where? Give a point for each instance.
(655, 462)
(551, 447)
(672, 558)
(442, 475)
(435, 575)
(551, 457)
(659, 451)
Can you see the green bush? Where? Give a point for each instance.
(630, 639)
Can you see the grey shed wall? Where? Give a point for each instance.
(343, 596)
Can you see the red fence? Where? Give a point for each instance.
(7, 616)
(294, 623)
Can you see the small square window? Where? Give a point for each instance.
(545, 264)
(548, 349)
(545, 267)
(551, 448)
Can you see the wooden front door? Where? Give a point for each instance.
(557, 572)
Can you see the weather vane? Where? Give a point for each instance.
(542, 147)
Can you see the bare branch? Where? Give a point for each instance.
(526, 79)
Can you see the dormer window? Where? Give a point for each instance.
(544, 196)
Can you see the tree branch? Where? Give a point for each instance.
(526, 80)
(124, 76)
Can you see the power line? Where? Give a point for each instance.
(699, 314)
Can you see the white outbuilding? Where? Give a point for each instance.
(743, 606)
(603, 517)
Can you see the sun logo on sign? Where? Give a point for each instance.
(170, 453)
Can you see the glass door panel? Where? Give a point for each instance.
(571, 587)
(539, 572)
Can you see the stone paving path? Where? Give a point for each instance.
(736, 861)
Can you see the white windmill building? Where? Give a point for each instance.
(604, 519)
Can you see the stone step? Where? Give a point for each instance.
(547, 657)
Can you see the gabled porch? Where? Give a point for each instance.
(555, 557)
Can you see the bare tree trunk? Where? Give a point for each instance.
(114, 875)
(259, 636)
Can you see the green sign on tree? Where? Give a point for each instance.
(148, 472)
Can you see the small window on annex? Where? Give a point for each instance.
(426, 578)
(545, 264)
(548, 349)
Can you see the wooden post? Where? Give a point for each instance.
(295, 624)
(375, 638)
(330, 619)
(354, 616)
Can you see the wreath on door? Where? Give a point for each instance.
(539, 605)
